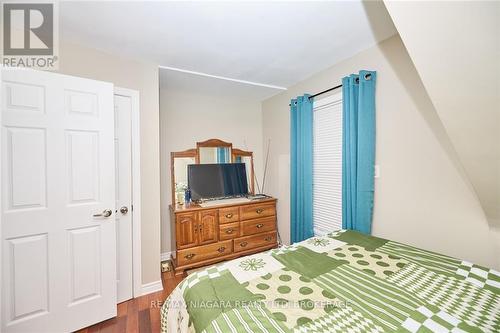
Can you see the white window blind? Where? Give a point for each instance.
(327, 164)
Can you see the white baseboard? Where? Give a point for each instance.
(151, 287)
(165, 256)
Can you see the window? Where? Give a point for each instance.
(327, 164)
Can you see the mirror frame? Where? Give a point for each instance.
(213, 143)
(195, 153)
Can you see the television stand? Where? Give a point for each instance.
(206, 235)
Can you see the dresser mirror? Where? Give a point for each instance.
(179, 162)
(210, 155)
(212, 151)
(242, 156)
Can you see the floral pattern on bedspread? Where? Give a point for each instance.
(342, 282)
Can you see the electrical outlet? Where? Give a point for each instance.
(377, 171)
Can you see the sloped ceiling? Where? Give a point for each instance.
(455, 47)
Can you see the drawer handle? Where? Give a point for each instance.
(189, 256)
(221, 249)
(243, 244)
(268, 238)
(228, 216)
(259, 211)
(260, 225)
(229, 231)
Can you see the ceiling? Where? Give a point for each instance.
(276, 43)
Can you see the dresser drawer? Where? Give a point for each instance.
(252, 227)
(199, 253)
(251, 242)
(229, 230)
(228, 215)
(258, 210)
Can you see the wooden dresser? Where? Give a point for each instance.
(204, 236)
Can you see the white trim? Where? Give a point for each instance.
(1, 190)
(136, 188)
(151, 287)
(222, 78)
(165, 256)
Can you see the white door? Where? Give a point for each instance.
(123, 172)
(58, 248)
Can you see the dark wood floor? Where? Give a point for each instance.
(140, 314)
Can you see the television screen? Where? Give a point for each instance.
(209, 181)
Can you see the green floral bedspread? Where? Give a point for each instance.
(342, 282)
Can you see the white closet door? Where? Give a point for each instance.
(58, 253)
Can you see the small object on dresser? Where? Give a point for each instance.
(258, 196)
(180, 189)
(180, 198)
(187, 195)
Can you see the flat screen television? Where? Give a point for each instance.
(211, 181)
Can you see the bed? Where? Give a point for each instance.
(342, 282)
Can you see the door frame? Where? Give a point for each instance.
(2, 67)
(136, 184)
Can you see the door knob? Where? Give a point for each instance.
(105, 213)
(124, 210)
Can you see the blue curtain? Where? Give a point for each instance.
(222, 153)
(301, 158)
(358, 153)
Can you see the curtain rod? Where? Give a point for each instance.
(323, 92)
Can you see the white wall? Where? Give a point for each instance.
(457, 55)
(188, 116)
(128, 73)
(421, 197)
